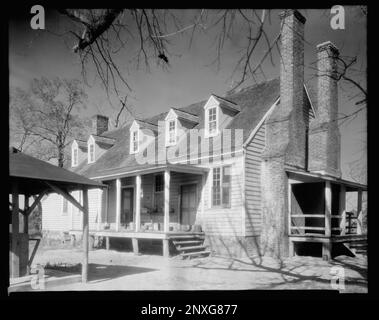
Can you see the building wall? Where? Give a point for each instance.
(227, 222)
(253, 207)
(53, 218)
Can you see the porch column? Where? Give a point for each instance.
(85, 236)
(359, 212)
(204, 181)
(328, 208)
(342, 210)
(327, 246)
(118, 203)
(15, 255)
(26, 215)
(100, 211)
(166, 220)
(138, 203)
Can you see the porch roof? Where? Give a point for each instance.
(306, 176)
(33, 174)
(149, 168)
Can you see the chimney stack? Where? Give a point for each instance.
(292, 87)
(99, 124)
(285, 137)
(324, 135)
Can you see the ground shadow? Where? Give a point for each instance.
(103, 272)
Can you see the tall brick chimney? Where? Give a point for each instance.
(285, 137)
(99, 124)
(324, 135)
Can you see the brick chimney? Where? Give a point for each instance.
(99, 124)
(324, 135)
(285, 137)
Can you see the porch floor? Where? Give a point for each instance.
(137, 235)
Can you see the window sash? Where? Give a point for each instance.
(91, 153)
(171, 131)
(75, 157)
(221, 186)
(135, 141)
(212, 120)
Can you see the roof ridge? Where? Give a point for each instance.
(252, 86)
(179, 109)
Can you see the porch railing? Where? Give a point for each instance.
(298, 225)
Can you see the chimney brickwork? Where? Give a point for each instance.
(324, 136)
(99, 124)
(285, 137)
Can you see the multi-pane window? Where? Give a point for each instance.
(212, 120)
(75, 157)
(221, 186)
(135, 141)
(216, 192)
(171, 132)
(91, 152)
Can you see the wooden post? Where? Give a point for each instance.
(166, 220)
(118, 203)
(26, 216)
(85, 236)
(166, 252)
(328, 208)
(342, 209)
(107, 244)
(100, 211)
(204, 181)
(327, 250)
(359, 212)
(15, 255)
(135, 245)
(138, 205)
(289, 214)
(327, 246)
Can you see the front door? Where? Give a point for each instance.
(188, 204)
(127, 196)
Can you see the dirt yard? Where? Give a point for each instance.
(114, 270)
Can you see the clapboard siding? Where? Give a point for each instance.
(224, 221)
(253, 208)
(53, 218)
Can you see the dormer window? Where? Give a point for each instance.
(74, 162)
(212, 121)
(91, 153)
(134, 141)
(171, 132)
(74, 154)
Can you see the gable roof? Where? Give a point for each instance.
(254, 102)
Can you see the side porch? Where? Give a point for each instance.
(318, 215)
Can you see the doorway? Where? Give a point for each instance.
(127, 206)
(188, 204)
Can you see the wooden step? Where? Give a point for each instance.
(185, 242)
(197, 253)
(191, 248)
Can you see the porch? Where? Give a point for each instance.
(317, 212)
(156, 203)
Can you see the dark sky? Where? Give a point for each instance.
(189, 79)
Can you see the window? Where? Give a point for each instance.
(91, 153)
(158, 193)
(134, 142)
(171, 132)
(221, 186)
(212, 121)
(65, 207)
(74, 157)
